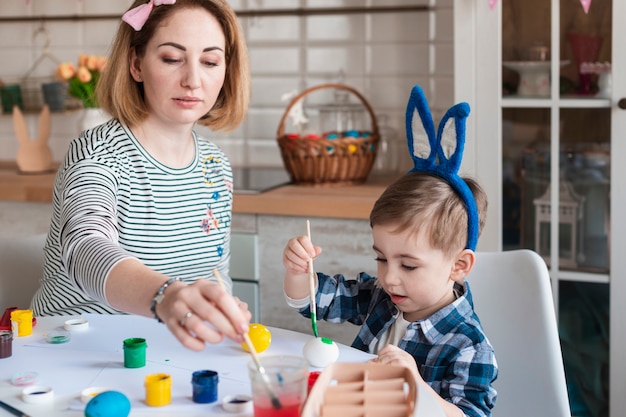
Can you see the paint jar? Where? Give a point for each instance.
(158, 389)
(204, 385)
(312, 379)
(135, 352)
(6, 344)
(22, 322)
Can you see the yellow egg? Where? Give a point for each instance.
(260, 337)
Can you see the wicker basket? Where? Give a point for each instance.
(341, 161)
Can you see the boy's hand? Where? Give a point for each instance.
(393, 355)
(297, 254)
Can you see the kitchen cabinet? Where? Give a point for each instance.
(555, 142)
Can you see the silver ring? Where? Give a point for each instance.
(184, 319)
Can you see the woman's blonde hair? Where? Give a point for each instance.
(419, 201)
(122, 97)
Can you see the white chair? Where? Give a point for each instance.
(21, 268)
(513, 299)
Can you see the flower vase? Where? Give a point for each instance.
(586, 49)
(92, 117)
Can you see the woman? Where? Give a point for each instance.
(142, 204)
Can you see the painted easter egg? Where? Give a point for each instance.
(108, 404)
(260, 337)
(321, 352)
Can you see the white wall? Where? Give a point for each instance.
(382, 55)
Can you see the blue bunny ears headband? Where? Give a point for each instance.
(441, 154)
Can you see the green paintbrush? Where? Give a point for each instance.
(312, 285)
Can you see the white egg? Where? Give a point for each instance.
(320, 352)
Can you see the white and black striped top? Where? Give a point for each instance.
(112, 201)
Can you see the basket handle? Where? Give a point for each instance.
(281, 125)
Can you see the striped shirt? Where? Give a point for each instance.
(112, 201)
(451, 351)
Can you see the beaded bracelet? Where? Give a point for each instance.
(159, 296)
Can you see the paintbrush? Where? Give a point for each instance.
(255, 357)
(13, 410)
(312, 285)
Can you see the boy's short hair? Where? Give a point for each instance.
(122, 97)
(421, 201)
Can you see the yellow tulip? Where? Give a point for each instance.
(65, 71)
(100, 62)
(82, 60)
(83, 74)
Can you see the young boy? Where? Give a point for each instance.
(418, 312)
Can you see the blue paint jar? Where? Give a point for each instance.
(204, 385)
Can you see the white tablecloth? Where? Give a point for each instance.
(95, 358)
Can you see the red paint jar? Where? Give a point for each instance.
(312, 378)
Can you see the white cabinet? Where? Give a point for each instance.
(244, 270)
(535, 147)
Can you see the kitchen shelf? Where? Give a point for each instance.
(564, 102)
(240, 13)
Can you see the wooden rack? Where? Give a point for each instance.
(241, 13)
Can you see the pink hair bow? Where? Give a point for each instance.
(138, 16)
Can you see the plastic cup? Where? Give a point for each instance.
(6, 344)
(204, 385)
(287, 376)
(135, 352)
(158, 390)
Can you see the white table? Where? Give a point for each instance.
(95, 358)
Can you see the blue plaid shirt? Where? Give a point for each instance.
(450, 348)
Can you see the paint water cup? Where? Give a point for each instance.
(204, 386)
(135, 352)
(287, 376)
(158, 389)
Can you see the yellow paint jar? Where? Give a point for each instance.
(158, 389)
(22, 322)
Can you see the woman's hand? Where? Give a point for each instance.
(203, 312)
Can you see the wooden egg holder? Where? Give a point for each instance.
(362, 390)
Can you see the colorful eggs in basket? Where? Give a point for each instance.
(321, 352)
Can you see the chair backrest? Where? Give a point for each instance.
(513, 299)
(21, 268)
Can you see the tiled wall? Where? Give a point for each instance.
(382, 55)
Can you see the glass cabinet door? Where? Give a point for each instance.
(556, 155)
(548, 139)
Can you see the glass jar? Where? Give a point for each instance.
(341, 116)
(392, 154)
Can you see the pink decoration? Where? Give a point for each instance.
(586, 4)
(492, 3)
(138, 16)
